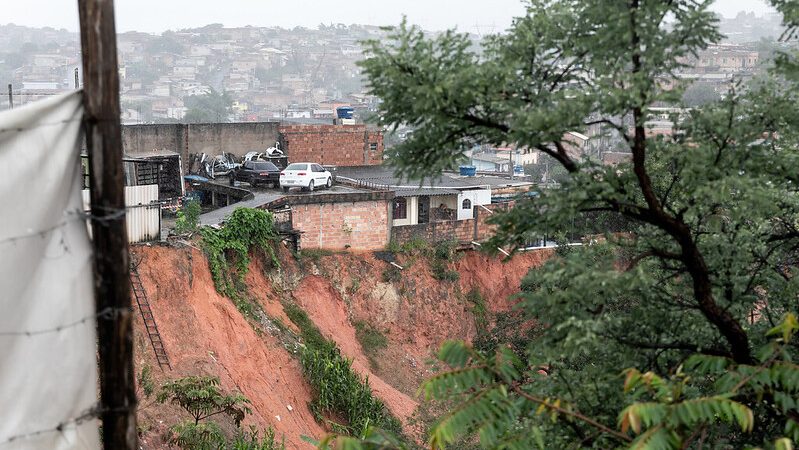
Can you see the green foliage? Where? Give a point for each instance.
(145, 382)
(699, 94)
(228, 248)
(188, 217)
(391, 274)
(372, 340)
(201, 397)
(212, 107)
(310, 335)
(479, 309)
(337, 388)
(443, 253)
(249, 440)
(414, 246)
(710, 218)
(189, 435)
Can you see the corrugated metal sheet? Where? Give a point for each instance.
(143, 216)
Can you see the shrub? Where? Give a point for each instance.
(228, 248)
(202, 398)
(249, 440)
(441, 271)
(391, 274)
(188, 217)
(372, 340)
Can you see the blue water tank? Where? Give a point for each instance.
(468, 171)
(345, 112)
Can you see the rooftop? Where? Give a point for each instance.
(384, 177)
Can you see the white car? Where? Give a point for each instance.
(305, 175)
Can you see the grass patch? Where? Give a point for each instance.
(414, 246)
(443, 255)
(308, 332)
(372, 340)
(314, 254)
(338, 390)
(479, 310)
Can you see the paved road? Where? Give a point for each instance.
(262, 197)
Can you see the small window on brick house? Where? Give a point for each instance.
(373, 146)
(400, 208)
(467, 204)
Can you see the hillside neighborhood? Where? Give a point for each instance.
(577, 232)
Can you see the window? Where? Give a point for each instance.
(263, 166)
(373, 146)
(400, 208)
(467, 204)
(297, 166)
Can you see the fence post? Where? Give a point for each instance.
(109, 231)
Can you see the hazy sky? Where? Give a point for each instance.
(476, 16)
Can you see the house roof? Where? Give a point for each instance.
(490, 158)
(384, 177)
(424, 191)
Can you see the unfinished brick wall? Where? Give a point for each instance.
(335, 145)
(453, 230)
(464, 231)
(362, 225)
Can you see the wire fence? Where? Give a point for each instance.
(20, 334)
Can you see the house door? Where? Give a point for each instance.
(424, 209)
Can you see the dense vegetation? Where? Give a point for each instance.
(228, 248)
(694, 304)
(339, 392)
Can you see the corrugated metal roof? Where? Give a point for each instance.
(424, 191)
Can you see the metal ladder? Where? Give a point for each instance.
(147, 317)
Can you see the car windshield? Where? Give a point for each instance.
(264, 166)
(296, 166)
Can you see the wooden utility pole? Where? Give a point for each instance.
(109, 233)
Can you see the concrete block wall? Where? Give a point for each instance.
(189, 138)
(362, 225)
(336, 145)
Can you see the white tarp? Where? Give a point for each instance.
(48, 363)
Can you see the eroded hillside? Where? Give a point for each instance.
(389, 322)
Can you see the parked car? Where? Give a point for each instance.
(258, 172)
(305, 175)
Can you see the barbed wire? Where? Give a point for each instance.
(92, 413)
(115, 214)
(107, 313)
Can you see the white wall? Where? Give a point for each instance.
(143, 215)
(476, 197)
(412, 218)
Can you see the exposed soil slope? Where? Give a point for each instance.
(204, 333)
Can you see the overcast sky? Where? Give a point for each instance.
(476, 16)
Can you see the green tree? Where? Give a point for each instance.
(699, 94)
(688, 305)
(202, 398)
(211, 107)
